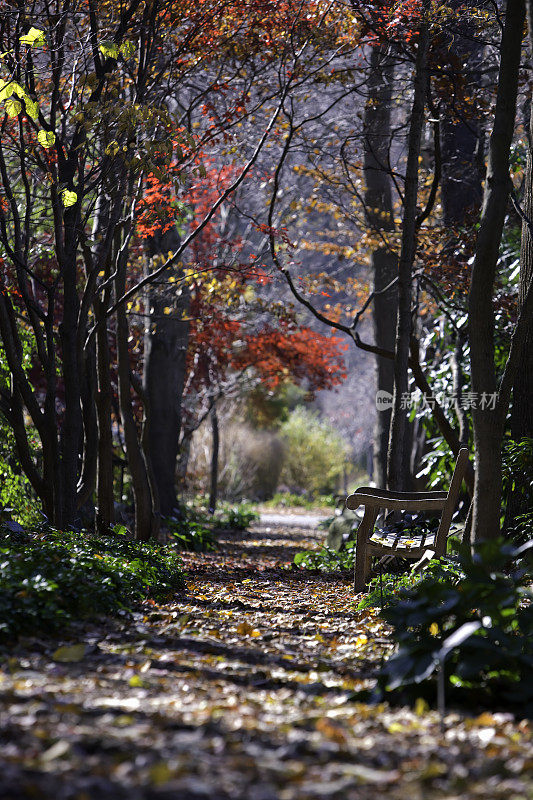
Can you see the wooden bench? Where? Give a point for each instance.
(370, 543)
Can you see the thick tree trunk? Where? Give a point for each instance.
(165, 353)
(105, 514)
(459, 137)
(522, 410)
(488, 424)
(380, 218)
(72, 426)
(146, 517)
(522, 402)
(396, 473)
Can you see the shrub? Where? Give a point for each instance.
(50, 578)
(315, 453)
(494, 662)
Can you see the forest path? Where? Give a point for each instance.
(239, 689)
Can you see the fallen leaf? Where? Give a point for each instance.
(69, 653)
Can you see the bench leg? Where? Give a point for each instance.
(362, 558)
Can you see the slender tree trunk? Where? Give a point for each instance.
(488, 424)
(380, 218)
(213, 492)
(397, 477)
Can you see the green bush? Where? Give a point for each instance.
(50, 578)
(315, 453)
(491, 587)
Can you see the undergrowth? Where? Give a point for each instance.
(52, 577)
(487, 595)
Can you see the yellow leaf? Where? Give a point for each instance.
(46, 138)
(421, 707)
(244, 629)
(127, 49)
(160, 773)
(69, 653)
(32, 109)
(34, 37)
(13, 107)
(167, 310)
(255, 634)
(485, 720)
(434, 629)
(395, 727)
(136, 682)
(68, 198)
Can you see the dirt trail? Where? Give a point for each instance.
(240, 689)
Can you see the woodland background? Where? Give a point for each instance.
(212, 214)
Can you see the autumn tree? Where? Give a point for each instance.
(86, 119)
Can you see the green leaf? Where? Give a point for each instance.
(109, 49)
(46, 138)
(13, 107)
(127, 49)
(68, 198)
(34, 38)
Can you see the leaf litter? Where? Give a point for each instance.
(240, 688)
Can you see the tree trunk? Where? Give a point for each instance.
(165, 354)
(522, 410)
(146, 519)
(488, 424)
(379, 214)
(397, 478)
(213, 492)
(522, 403)
(105, 514)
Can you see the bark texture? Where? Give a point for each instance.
(398, 477)
(166, 341)
(488, 425)
(380, 218)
